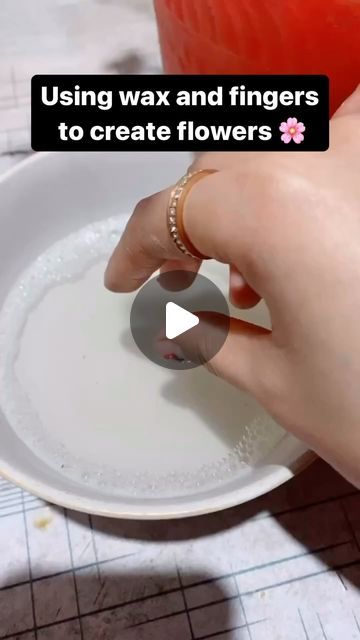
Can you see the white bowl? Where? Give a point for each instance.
(43, 200)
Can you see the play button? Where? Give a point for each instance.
(178, 320)
(174, 304)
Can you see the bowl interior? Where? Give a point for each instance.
(43, 200)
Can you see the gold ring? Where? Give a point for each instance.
(175, 212)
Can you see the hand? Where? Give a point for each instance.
(289, 226)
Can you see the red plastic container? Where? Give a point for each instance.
(263, 36)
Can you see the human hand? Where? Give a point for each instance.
(289, 226)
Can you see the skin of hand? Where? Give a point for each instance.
(289, 226)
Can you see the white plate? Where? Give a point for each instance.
(85, 420)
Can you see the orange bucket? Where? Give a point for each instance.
(263, 36)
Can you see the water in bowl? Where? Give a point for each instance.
(85, 400)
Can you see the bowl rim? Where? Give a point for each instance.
(205, 506)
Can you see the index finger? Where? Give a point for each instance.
(146, 244)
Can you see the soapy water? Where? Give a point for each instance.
(152, 435)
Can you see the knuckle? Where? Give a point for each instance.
(202, 161)
(141, 207)
(209, 160)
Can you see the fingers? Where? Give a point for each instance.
(190, 265)
(187, 264)
(246, 360)
(241, 295)
(146, 244)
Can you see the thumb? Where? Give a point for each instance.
(246, 355)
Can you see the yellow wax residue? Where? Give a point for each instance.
(43, 522)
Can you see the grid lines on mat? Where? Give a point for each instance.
(75, 580)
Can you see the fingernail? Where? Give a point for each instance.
(173, 356)
(169, 350)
